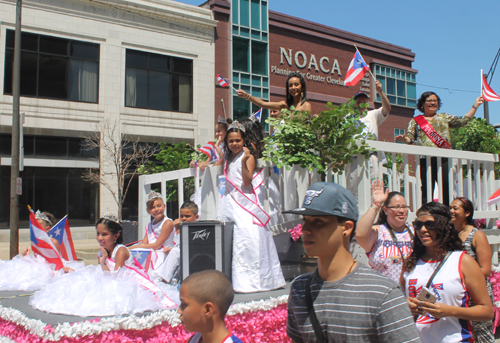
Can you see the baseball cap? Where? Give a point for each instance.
(328, 199)
(358, 94)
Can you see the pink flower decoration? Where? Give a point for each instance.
(296, 232)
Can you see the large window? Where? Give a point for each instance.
(158, 82)
(250, 54)
(399, 85)
(54, 68)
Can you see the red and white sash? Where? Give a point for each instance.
(248, 202)
(431, 133)
(143, 279)
(157, 256)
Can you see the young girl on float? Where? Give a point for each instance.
(115, 287)
(159, 234)
(255, 266)
(31, 272)
(220, 132)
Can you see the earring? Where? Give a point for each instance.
(345, 234)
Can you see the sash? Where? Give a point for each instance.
(157, 256)
(143, 279)
(431, 133)
(260, 216)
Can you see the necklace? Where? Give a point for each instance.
(464, 232)
(350, 268)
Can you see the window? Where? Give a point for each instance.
(54, 68)
(158, 82)
(398, 132)
(399, 85)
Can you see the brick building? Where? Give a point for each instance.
(255, 49)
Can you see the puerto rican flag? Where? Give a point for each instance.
(494, 198)
(357, 69)
(41, 243)
(222, 81)
(487, 92)
(258, 115)
(210, 151)
(142, 258)
(62, 233)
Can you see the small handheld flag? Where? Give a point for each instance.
(486, 91)
(357, 70)
(223, 82)
(210, 150)
(258, 115)
(142, 258)
(62, 233)
(41, 243)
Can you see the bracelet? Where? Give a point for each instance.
(248, 97)
(375, 207)
(474, 106)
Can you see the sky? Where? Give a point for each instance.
(452, 40)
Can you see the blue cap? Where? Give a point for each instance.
(328, 199)
(358, 94)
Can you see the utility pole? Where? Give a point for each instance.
(14, 168)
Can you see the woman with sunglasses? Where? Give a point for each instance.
(388, 242)
(477, 246)
(432, 129)
(439, 267)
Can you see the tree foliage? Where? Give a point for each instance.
(478, 136)
(327, 140)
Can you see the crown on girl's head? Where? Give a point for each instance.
(43, 216)
(109, 216)
(221, 120)
(153, 195)
(236, 125)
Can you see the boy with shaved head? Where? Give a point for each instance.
(205, 298)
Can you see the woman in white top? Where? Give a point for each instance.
(449, 318)
(388, 242)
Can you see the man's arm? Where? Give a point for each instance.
(386, 105)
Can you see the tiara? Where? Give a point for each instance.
(43, 216)
(253, 118)
(236, 125)
(221, 120)
(110, 216)
(153, 195)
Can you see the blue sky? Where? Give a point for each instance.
(452, 40)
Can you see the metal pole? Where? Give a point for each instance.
(485, 106)
(14, 169)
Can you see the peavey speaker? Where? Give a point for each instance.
(206, 244)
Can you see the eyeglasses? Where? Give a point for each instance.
(399, 208)
(431, 101)
(429, 225)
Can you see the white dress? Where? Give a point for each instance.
(29, 273)
(255, 266)
(94, 292)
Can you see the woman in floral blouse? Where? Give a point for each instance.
(433, 130)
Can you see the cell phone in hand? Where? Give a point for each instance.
(426, 295)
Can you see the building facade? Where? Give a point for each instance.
(256, 49)
(142, 66)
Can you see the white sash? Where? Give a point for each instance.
(260, 216)
(157, 256)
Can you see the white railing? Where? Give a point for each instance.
(478, 185)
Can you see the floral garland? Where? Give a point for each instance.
(495, 287)
(255, 321)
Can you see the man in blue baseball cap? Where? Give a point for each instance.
(342, 300)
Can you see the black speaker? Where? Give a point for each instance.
(206, 244)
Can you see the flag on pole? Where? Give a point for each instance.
(222, 81)
(258, 115)
(41, 243)
(494, 198)
(486, 91)
(210, 151)
(356, 71)
(62, 233)
(142, 257)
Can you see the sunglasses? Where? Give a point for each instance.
(429, 225)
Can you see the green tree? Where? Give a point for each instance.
(327, 140)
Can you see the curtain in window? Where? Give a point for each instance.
(131, 87)
(83, 80)
(185, 93)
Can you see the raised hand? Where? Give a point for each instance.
(379, 196)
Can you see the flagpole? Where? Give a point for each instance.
(374, 79)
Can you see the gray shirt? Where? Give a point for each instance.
(364, 306)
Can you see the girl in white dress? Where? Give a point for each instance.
(255, 266)
(115, 287)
